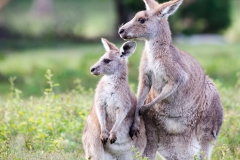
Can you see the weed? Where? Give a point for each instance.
(50, 126)
(137, 155)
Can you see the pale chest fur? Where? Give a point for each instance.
(112, 96)
(170, 108)
(155, 69)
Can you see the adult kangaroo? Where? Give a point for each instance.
(180, 104)
(106, 131)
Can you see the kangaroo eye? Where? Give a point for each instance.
(141, 20)
(106, 61)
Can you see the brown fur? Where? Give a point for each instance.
(106, 131)
(180, 105)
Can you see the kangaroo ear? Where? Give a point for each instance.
(108, 45)
(127, 49)
(150, 4)
(168, 8)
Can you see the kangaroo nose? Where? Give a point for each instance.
(92, 69)
(121, 31)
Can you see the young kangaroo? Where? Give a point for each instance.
(180, 105)
(113, 109)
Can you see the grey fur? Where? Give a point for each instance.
(180, 105)
(106, 131)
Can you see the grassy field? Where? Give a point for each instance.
(50, 127)
(49, 124)
(46, 89)
(69, 61)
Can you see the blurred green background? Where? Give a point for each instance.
(64, 36)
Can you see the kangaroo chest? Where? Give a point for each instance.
(154, 67)
(114, 99)
(169, 116)
(156, 73)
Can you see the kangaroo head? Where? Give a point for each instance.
(149, 23)
(114, 59)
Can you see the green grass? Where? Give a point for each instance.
(69, 61)
(38, 121)
(46, 127)
(50, 126)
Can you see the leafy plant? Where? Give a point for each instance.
(137, 155)
(50, 126)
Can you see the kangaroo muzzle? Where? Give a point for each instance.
(94, 71)
(124, 34)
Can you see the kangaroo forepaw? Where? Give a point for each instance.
(144, 110)
(133, 132)
(104, 137)
(112, 138)
(104, 140)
